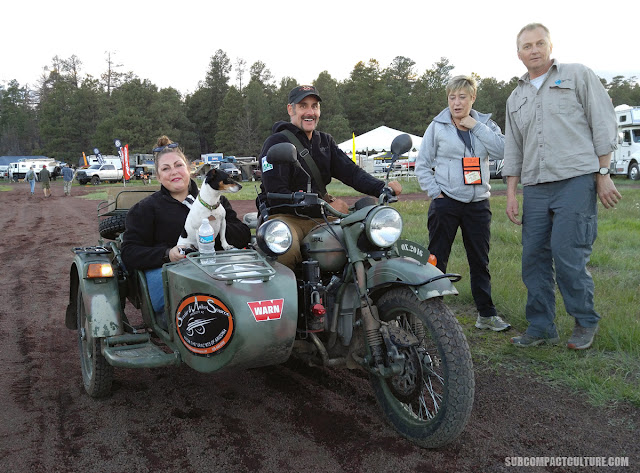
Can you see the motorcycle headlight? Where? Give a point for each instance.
(274, 237)
(383, 226)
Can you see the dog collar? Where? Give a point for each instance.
(209, 206)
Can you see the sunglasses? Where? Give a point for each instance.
(169, 146)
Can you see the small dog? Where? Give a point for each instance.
(208, 204)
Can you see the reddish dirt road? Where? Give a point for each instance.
(286, 418)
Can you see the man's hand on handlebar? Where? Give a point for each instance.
(396, 187)
(340, 205)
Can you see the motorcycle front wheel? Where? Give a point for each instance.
(431, 401)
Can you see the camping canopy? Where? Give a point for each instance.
(378, 139)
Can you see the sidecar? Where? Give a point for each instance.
(238, 313)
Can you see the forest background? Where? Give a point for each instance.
(68, 112)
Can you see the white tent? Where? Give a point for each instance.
(378, 139)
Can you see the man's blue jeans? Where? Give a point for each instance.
(33, 186)
(559, 227)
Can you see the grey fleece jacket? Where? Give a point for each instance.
(439, 162)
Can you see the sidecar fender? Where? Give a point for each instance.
(101, 298)
(409, 272)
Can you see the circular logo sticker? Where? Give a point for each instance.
(204, 324)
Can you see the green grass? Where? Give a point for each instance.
(609, 372)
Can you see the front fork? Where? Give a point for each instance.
(369, 316)
(380, 336)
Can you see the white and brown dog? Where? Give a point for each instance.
(206, 205)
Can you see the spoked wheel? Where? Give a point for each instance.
(430, 402)
(97, 374)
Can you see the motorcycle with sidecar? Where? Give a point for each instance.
(362, 299)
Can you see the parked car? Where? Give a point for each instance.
(405, 164)
(98, 173)
(230, 169)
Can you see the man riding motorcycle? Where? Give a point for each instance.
(321, 159)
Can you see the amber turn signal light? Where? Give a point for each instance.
(100, 270)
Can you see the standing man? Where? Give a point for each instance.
(31, 177)
(560, 132)
(329, 160)
(45, 176)
(67, 177)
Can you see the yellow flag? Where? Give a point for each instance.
(85, 159)
(354, 148)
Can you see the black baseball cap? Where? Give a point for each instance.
(301, 92)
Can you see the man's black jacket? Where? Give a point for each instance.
(331, 162)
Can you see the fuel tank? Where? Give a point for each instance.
(325, 245)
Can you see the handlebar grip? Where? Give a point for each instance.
(389, 191)
(288, 198)
(387, 196)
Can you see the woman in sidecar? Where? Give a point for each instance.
(154, 224)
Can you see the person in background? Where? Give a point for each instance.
(31, 178)
(154, 224)
(560, 132)
(453, 168)
(304, 113)
(45, 176)
(67, 177)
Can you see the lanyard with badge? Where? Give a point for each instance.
(470, 164)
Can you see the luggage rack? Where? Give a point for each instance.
(235, 265)
(91, 250)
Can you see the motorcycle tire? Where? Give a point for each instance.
(111, 227)
(436, 413)
(97, 374)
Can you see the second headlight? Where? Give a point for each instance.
(384, 226)
(274, 237)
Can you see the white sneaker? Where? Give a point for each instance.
(494, 323)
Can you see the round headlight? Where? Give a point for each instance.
(274, 237)
(384, 227)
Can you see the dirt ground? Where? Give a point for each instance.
(286, 418)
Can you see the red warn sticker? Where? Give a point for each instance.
(266, 310)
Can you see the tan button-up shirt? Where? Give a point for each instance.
(558, 131)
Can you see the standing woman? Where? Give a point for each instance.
(154, 224)
(453, 168)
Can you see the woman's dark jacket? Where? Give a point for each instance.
(154, 225)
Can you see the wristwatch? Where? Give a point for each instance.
(603, 171)
(166, 258)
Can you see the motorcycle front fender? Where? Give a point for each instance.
(101, 298)
(409, 272)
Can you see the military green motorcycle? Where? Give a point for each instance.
(362, 299)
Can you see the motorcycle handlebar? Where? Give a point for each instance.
(387, 196)
(305, 199)
(284, 198)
